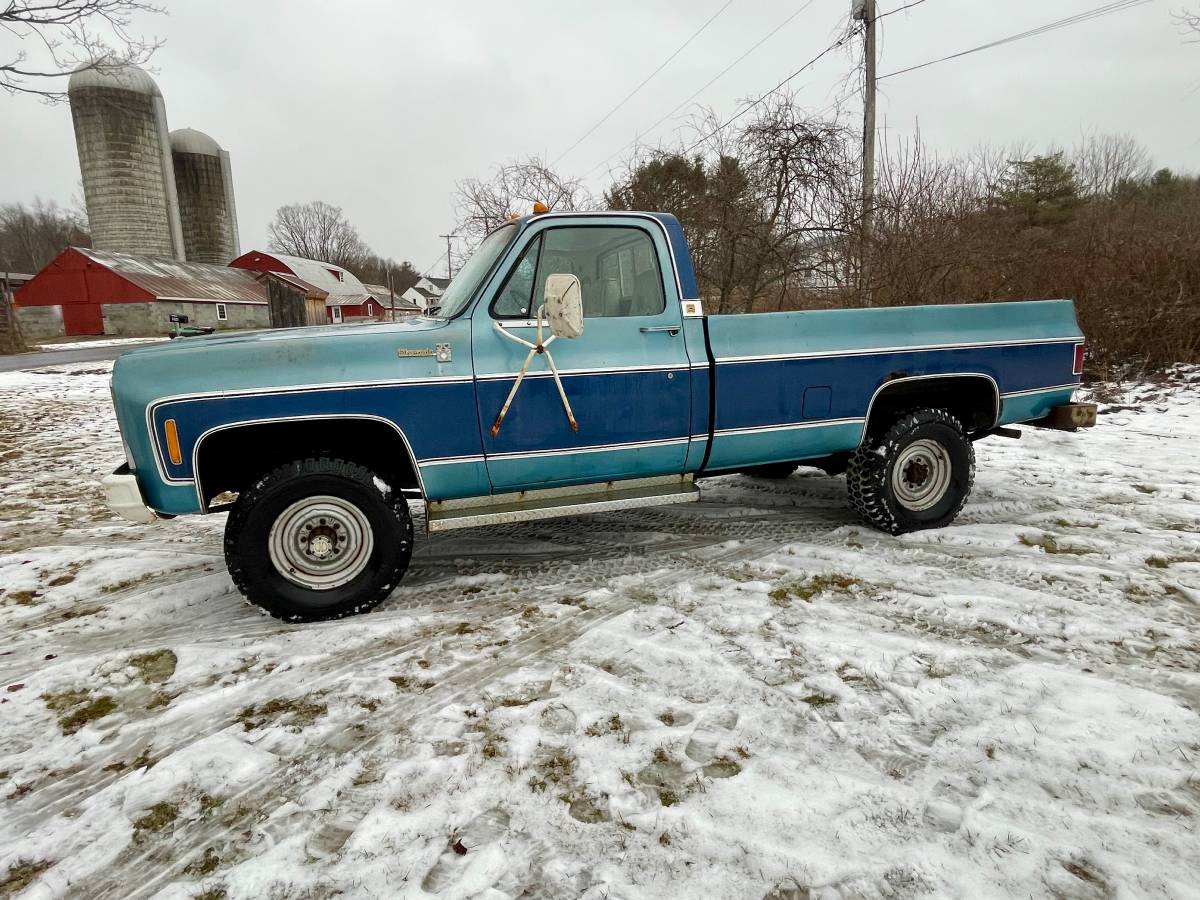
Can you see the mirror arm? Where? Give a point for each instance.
(534, 349)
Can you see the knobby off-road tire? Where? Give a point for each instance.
(318, 539)
(916, 475)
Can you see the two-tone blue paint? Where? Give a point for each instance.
(653, 395)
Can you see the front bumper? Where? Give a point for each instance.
(123, 496)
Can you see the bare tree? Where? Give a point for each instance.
(58, 37)
(1104, 163)
(317, 230)
(31, 236)
(1190, 21)
(484, 204)
(766, 206)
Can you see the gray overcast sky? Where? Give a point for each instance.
(379, 107)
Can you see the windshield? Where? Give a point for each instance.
(466, 282)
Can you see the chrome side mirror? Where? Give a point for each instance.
(564, 306)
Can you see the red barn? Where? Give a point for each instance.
(85, 291)
(346, 299)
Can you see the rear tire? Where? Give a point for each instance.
(318, 539)
(916, 475)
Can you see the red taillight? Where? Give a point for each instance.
(1077, 367)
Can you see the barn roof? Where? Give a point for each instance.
(168, 279)
(297, 282)
(381, 293)
(326, 276)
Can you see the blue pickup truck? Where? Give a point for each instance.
(570, 369)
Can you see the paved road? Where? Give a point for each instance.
(36, 360)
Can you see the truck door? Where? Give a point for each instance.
(626, 377)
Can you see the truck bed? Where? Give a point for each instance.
(800, 384)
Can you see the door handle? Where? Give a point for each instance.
(669, 329)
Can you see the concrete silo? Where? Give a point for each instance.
(204, 181)
(125, 159)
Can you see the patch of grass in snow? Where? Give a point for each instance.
(76, 708)
(298, 712)
(1163, 562)
(21, 874)
(740, 574)
(159, 817)
(601, 727)
(205, 865)
(126, 583)
(22, 598)
(493, 744)
(588, 810)
(1049, 543)
(573, 601)
(143, 761)
(807, 588)
(642, 595)
(212, 893)
(553, 766)
(156, 667)
(160, 699)
(820, 700)
(406, 683)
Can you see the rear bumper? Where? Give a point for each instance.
(123, 496)
(1068, 417)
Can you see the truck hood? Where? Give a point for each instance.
(410, 326)
(290, 358)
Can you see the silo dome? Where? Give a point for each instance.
(125, 160)
(126, 78)
(189, 140)
(204, 181)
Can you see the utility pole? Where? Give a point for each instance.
(864, 10)
(449, 270)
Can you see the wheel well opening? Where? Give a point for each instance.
(972, 399)
(229, 460)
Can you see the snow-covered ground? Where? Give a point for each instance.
(100, 342)
(749, 697)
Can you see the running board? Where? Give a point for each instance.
(524, 506)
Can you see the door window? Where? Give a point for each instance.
(617, 268)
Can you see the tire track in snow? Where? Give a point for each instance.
(137, 735)
(462, 679)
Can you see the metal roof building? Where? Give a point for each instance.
(327, 276)
(85, 291)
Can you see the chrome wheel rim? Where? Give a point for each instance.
(921, 475)
(321, 542)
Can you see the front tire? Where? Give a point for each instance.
(318, 539)
(916, 475)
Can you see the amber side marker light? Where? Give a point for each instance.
(172, 435)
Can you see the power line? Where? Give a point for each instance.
(429, 270)
(645, 81)
(1096, 13)
(706, 86)
(749, 106)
